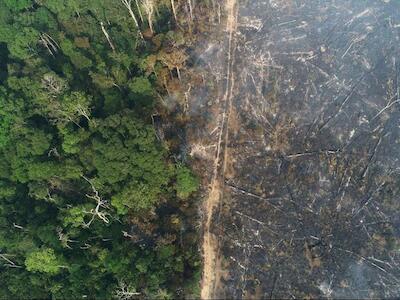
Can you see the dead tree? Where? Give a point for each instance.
(63, 238)
(85, 246)
(140, 12)
(50, 44)
(173, 10)
(390, 104)
(126, 234)
(201, 151)
(107, 36)
(53, 84)
(186, 104)
(18, 226)
(125, 292)
(9, 262)
(83, 111)
(174, 60)
(149, 8)
(53, 152)
(127, 4)
(101, 204)
(190, 9)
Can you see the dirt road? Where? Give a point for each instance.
(211, 261)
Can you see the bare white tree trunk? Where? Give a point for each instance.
(186, 104)
(219, 13)
(107, 36)
(190, 9)
(18, 226)
(82, 111)
(127, 4)
(173, 10)
(125, 292)
(50, 44)
(9, 262)
(140, 12)
(63, 238)
(149, 8)
(100, 204)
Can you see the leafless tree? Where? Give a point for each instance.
(50, 44)
(107, 36)
(127, 4)
(53, 84)
(125, 292)
(173, 10)
(63, 238)
(139, 10)
(149, 8)
(83, 111)
(389, 105)
(190, 9)
(101, 204)
(53, 152)
(9, 262)
(18, 226)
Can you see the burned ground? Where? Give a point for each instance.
(311, 185)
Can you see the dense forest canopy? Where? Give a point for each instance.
(92, 203)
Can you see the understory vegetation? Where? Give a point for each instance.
(93, 203)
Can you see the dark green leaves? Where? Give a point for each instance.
(89, 197)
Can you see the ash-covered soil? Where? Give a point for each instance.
(311, 176)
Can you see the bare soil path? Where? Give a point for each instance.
(211, 261)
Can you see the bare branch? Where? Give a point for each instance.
(140, 12)
(107, 36)
(173, 10)
(385, 108)
(127, 4)
(50, 44)
(125, 292)
(149, 8)
(100, 204)
(10, 263)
